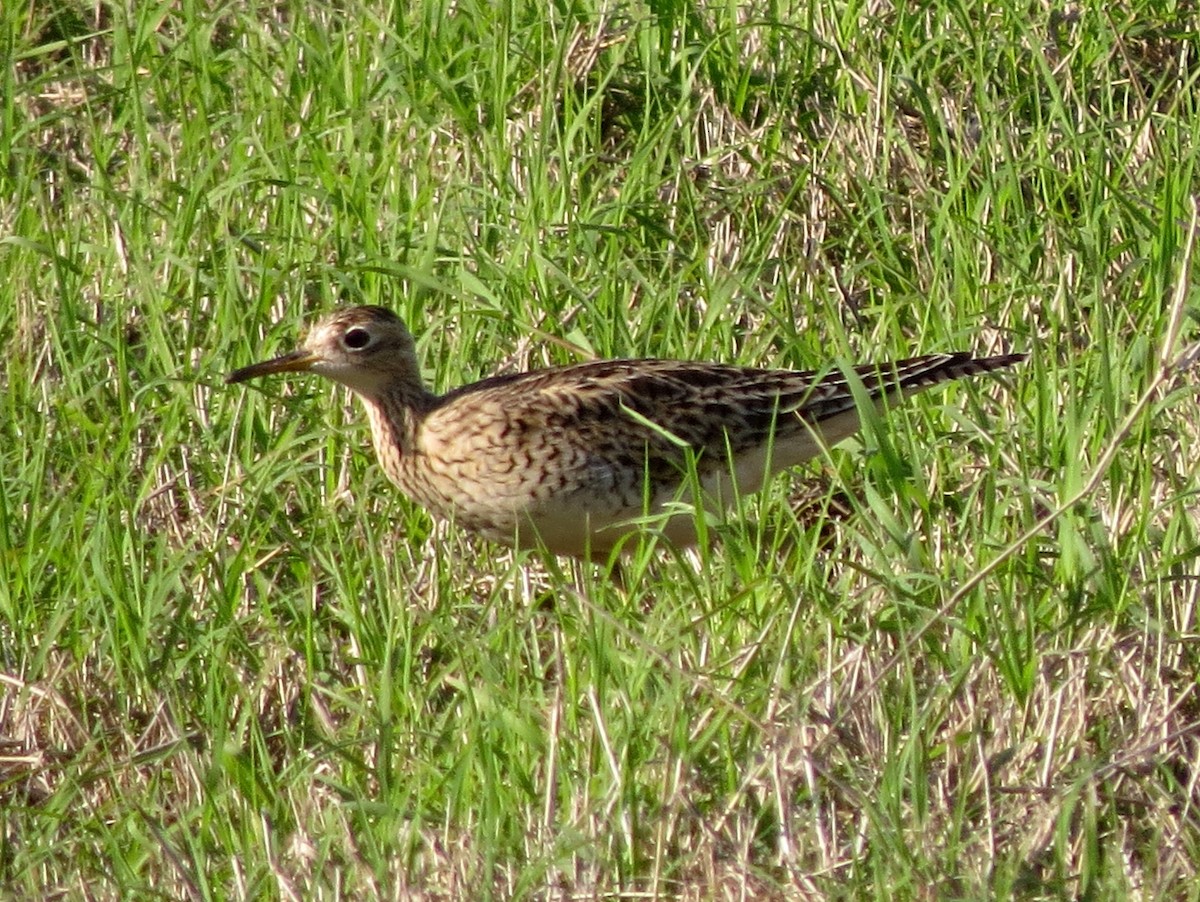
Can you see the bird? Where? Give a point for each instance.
(575, 459)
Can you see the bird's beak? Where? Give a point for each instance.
(295, 362)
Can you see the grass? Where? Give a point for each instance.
(234, 663)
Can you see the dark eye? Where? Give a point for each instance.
(356, 339)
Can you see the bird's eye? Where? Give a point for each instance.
(356, 339)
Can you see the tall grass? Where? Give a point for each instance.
(954, 659)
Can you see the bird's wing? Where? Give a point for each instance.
(651, 409)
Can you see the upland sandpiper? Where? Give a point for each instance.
(576, 458)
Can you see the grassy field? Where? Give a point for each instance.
(956, 659)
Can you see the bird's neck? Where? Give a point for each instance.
(395, 418)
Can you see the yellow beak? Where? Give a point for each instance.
(295, 362)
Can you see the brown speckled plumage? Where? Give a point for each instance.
(568, 456)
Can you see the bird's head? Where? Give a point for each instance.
(363, 348)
